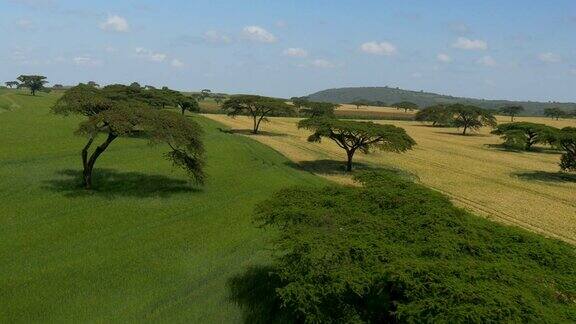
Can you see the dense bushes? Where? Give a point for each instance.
(393, 251)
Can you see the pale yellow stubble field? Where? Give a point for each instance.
(521, 188)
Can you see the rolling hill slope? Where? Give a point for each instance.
(423, 99)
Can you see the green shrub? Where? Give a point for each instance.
(395, 251)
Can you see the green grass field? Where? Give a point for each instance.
(144, 246)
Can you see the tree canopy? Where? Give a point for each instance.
(258, 107)
(438, 115)
(317, 109)
(556, 113)
(471, 117)
(525, 135)
(392, 251)
(406, 105)
(353, 135)
(12, 84)
(566, 140)
(511, 111)
(118, 111)
(34, 83)
(359, 103)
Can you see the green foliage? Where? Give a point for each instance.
(360, 103)
(395, 251)
(425, 99)
(566, 140)
(12, 84)
(118, 111)
(525, 135)
(555, 112)
(406, 105)
(438, 115)
(353, 135)
(511, 111)
(258, 107)
(34, 83)
(471, 117)
(317, 109)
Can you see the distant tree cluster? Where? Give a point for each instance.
(462, 116)
(406, 106)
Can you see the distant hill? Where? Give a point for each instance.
(424, 99)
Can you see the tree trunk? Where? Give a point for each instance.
(183, 110)
(464, 132)
(512, 118)
(350, 155)
(255, 125)
(89, 164)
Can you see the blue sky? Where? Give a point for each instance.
(487, 49)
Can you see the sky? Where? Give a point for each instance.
(513, 49)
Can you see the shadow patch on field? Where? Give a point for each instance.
(249, 132)
(254, 291)
(327, 167)
(467, 134)
(111, 184)
(535, 149)
(546, 176)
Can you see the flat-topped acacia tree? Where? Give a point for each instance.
(525, 134)
(258, 107)
(34, 83)
(406, 105)
(439, 115)
(471, 117)
(511, 111)
(117, 111)
(352, 136)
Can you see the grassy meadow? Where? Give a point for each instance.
(520, 188)
(145, 245)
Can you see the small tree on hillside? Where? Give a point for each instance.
(471, 117)
(12, 84)
(438, 115)
(566, 140)
(511, 111)
(116, 116)
(554, 113)
(33, 82)
(93, 84)
(205, 93)
(57, 86)
(299, 102)
(525, 135)
(189, 104)
(135, 85)
(258, 107)
(406, 105)
(352, 136)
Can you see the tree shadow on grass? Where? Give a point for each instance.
(327, 167)
(110, 183)
(254, 291)
(559, 177)
(467, 134)
(534, 149)
(249, 132)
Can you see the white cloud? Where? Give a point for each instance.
(115, 23)
(487, 60)
(470, 44)
(86, 61)
(150, 55)
(444, 58)
(295, 52)
(24, 24)
(383, 48)
(176, 63)
(549, 57)
(214, 36)
(323, 64)
(258, 34)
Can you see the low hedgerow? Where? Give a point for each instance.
(396, 251)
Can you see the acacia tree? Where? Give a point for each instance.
(318, 109)
(93, 84)
(33, 82)
(566, 140)
(406, 105)
(205, 93)
(188, 104)
(438, 115)
(258, 107)
(554, 113)
(471, 117)
(352, 136)
(12, 84)
(525, 134)
(511, 111)
(359, 103)
(118, 116)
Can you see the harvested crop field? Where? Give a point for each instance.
(520, 188)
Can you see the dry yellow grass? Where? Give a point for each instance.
(521, 188)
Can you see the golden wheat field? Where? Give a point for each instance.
(520, 188)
